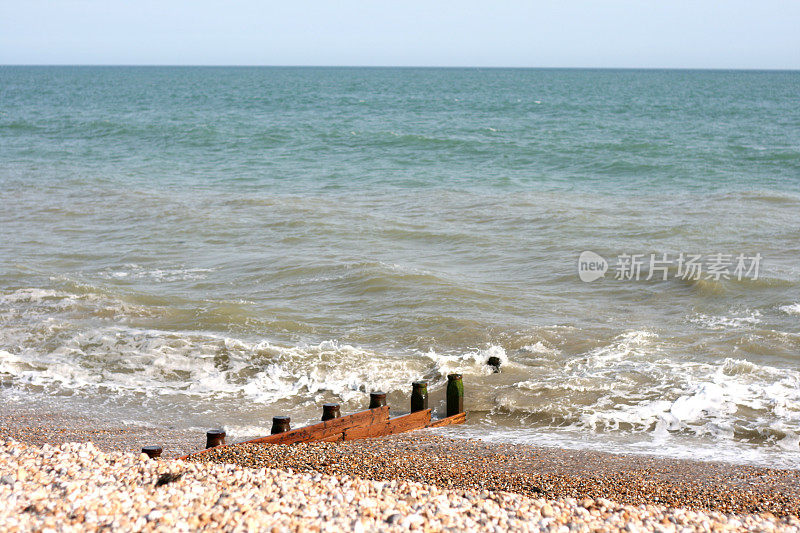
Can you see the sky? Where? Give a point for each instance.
(751, 34)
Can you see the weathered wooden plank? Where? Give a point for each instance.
(391, 426)
(361, 425)
(329, 428)
(334, 438)
(417, 420)
(460, 418)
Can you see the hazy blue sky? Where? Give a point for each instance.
(578, 33)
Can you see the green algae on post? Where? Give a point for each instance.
(455, 394)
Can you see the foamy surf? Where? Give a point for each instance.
(133, 271)
(793, 309)
(653, 394)
(629, 387)
(734, 321)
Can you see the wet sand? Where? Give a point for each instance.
(33, 426)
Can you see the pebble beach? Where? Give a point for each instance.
(534, 471)
(67, 473)
(77, 487)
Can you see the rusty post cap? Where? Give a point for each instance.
(377, 399)
(215, 437)
(280, 424)
(330, 411)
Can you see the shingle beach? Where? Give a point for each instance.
(535, 472)
(421, 481)
(76, 487)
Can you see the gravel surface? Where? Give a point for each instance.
(534, 472)
(76, 487)
(424, 457)
(36, 426)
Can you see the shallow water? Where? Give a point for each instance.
(204, 246)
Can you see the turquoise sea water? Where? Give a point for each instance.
(213, 246)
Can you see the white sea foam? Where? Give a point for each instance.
(127, 360)
(630, 386)
(541, 348)
(43, 347)
(706, 399)
(651, 444)
(471, 362)
(32, 295)
(133, 271)
(793, 309)
(603, 369)
(736, 321)
(47, 305)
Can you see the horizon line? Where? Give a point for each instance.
(497, 67)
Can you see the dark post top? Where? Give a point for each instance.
(377, 399)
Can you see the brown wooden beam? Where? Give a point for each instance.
(328, 428)
(361, 425)
(399, 424)
(460, 418)
(319, 431)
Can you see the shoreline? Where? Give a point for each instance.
(39, 426)
(463, 464)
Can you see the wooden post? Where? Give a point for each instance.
(419, 396)
(330, 411)
(152, 452)
(455, 394)
(494, 361)
(215, 437)
(280, 424)
(377, 399)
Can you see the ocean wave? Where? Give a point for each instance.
(793, 309)
(32, 295)
(767, 197)
(133, 271)
(541, 348)
(84, 303)
(73, 341)
(735, 321)
(122, 360)
(710, 401)
(471, 362)
(365, 277)
(61, 342)
(630, 386)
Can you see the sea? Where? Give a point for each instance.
(193, 248)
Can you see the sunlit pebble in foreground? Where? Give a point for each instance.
(76, 487)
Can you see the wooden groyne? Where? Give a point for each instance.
(374, 422)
